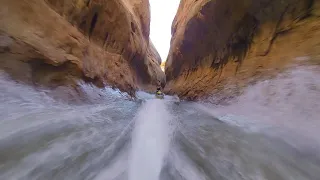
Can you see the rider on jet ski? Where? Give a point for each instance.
(159, 94)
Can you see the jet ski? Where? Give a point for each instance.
(160, 96)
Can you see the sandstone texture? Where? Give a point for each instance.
(219, 44)
(56, 43)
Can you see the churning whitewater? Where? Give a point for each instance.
(150, 141)
(270, 132)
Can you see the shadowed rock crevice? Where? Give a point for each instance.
(238, 44)
(93, 24)
(142, 70)
(219, 42)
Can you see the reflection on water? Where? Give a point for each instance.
(268, 133)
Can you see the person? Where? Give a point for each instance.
(159, 93)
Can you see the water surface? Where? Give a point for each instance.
(268, 133)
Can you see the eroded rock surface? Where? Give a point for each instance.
(57, 42)
(216, 43)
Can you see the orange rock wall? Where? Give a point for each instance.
(220, 42)
(101, 41)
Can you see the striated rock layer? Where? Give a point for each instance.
(219, 44)
(58, 42)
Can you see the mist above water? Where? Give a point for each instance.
(290, 101)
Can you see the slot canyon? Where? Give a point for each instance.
(88, 92)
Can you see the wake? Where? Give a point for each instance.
(150, 141)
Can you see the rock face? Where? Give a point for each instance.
(216, 43)
(57, 42)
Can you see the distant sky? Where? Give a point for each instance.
(162, 15)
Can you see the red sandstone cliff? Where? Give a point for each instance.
(216, 43)
(58, 42)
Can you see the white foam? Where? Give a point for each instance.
(292, 100)
(150, 141)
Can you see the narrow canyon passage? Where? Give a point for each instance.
(83, 96)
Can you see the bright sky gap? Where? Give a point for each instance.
(162, 15)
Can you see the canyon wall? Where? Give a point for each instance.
(220, 46)
(56, 43)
